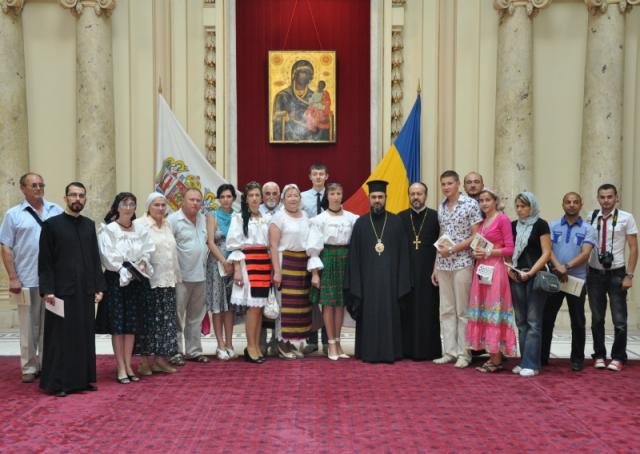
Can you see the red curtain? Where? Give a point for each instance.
(343, 26)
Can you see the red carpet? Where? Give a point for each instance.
(315, 405)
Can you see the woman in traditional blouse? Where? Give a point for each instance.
(491, 326)
(329, 238)
(531, 253)
(248, 241)
(159, 340)
(288, 234)
(125, 250)
(220, 280)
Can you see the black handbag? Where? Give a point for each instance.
(546, 282)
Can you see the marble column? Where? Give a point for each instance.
(14, 142)
(603, 97)
(95, 135)
(513, 160)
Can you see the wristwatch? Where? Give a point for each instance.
(629, 275)
(450, 250)
(567, 266)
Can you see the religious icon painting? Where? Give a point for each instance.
(302, 96)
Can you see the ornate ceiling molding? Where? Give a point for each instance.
(509, 6)
(99, 6)
(12, 7)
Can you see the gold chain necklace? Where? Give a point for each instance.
(379, 247)
(417, 241)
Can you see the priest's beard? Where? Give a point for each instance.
(76, 207)
(377, 209)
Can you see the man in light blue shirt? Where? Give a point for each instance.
(189, 227)
(20, 237)
(571, 242)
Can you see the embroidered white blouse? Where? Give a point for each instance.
(328, 228)
(118, 246)
(164, 260)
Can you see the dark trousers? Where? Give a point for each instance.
(599, 285)
(578, 323)
(313, 339)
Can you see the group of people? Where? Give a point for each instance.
(463, 270)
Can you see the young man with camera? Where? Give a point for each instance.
(608, 275)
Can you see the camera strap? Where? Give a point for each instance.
(614, 221)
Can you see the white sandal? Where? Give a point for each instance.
(342, 355)
(329, 355)
(222, 354)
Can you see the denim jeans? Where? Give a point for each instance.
(578, 323)
(528, 305)
(599, 285)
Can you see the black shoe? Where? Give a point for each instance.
(576, 367)
(61, 394)
(91, 387)
(310, 348)
(249, 359)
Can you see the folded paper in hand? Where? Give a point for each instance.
(481, 242)
(573, 286)
(444, 241)
(57, 307)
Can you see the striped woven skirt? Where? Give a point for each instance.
(295, 310)
(258, 266)
(334, 259)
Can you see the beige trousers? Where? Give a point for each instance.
(455, 287)
(190, 297)
(31, 321)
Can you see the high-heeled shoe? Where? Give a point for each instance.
(250, 359)
(329, 355)
(342, 355)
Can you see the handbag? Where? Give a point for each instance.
(271, 310)
(546, 282)
(485, 274)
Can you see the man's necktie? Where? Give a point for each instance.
(318, 203)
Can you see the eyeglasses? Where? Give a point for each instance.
(37, 186)
(76, 195)
(126, 205)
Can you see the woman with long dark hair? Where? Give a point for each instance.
(220, 272)
(248, 241)
(125, 250)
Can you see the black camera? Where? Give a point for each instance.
(606, 259)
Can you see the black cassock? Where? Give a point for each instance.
(377, 282)
(69, 267)
(420, 309)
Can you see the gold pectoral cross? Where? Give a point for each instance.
(417, 243)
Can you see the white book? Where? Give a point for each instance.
(444, 241)
(573, 286)
(57, 307)
(482, 242)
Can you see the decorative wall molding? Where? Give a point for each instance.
(13, 7)
(509, 6)
(99, 6)
(602, 6)
(397, 82)
(210, 94)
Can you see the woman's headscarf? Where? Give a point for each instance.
(150, 198)
(525, 225)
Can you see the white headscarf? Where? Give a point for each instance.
(151, 197)
(525, 225)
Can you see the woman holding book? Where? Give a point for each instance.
(491, 325)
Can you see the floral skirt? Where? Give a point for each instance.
(160, 337)
(122, 309)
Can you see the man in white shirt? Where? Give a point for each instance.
(312, 205)
(189, 227)
(19, 237)
(609, 276)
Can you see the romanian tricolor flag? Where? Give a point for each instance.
(400, 167)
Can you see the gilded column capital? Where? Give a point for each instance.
(509, 6)
(602, 6)
(99, 6)
(12, 6)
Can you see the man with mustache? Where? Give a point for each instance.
(69, 268)
(377, 278)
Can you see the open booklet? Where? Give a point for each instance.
(444, 241)
(482, 242)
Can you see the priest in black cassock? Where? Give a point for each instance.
(69, 268)
(377, 278)
(420, 308)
